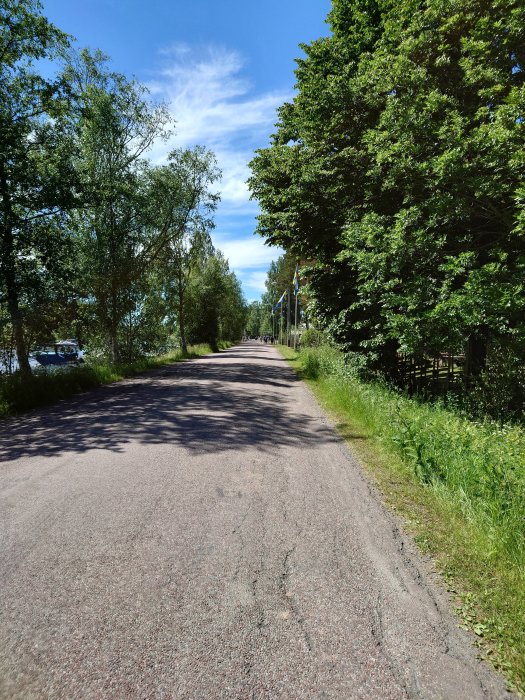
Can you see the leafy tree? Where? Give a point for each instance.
(36, 175)
(93, 238)
(146, 329)
(233, 308)
(216, 307)
(280, 276)
(116, 128)
(313, 175)
(254, 318)
(182, 204)
(397, 175)
(439, 250)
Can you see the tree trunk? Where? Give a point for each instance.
(182, 320)
(476, 354)
(113, 329)
(113, 346)
(182, 330)
(8, 268)
(22, 352)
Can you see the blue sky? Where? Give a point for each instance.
(223, 67)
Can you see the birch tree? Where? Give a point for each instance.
(36, 173)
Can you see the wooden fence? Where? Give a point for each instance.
(437, 375)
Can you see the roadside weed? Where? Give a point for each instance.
(459, 485)
(19, 394)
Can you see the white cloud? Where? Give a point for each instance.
(208, 99)
(235, 172)
(246, 253)
(214, 106)
(256, 281)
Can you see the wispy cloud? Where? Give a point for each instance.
(256, 281)
(209, 98)
(213, 104)
(246, 253)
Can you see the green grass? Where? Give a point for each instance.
(459, 486)
(19, 394)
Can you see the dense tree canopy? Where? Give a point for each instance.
(95, 241)
(215, 307)
(397, 174)
(36, 177)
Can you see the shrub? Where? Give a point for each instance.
(500, 391)
(480, 465)
(44, 387)
(313, 338)
(321, 361)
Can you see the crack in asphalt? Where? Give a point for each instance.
(410, 687)
(291, 599)
(202, 532)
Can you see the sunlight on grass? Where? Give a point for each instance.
(458, 484)
(19, 394)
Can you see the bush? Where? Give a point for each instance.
(313, 338)
(321, 361)
(481, 465)
(44, 387)
(500, 391)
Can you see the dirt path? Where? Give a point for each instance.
(202, 533)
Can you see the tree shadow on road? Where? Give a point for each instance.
(214, 404)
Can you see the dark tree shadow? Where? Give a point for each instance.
(236, 399)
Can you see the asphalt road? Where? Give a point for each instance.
(201, 532)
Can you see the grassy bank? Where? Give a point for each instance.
(460, 487)
(19, 394)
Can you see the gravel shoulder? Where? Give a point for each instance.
(202, 532)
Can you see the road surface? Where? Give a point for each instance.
(201, 532)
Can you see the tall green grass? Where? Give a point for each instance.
(466, 478)
(44, 387)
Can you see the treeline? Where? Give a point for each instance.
(95, 241)
(283, 309)
(278, 279)
(396, 176)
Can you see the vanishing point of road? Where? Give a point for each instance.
(202, 532)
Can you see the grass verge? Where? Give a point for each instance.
(459, 487)
(19, 394)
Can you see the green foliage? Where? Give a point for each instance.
(312, 338)
(397, 173)
(36, 174)
(254, 319)
(500, 389)
(280, 279)
(181, 204)
(467, 477)
(19, 393)
(481, 464)
(216, 303)
(94, 241)
(115, 126)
